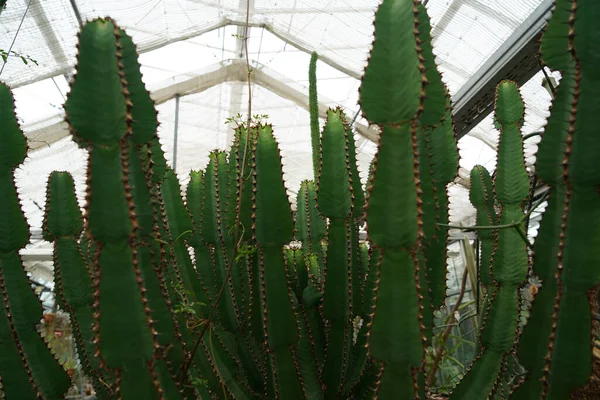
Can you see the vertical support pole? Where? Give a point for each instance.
(175, 132)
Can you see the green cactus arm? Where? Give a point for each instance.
(358, 194)
(32, 366)
(333, 185)
(391, 84)
(144, 114)
(194, 197)
(366, 388)
(204, 265)
(554, 45)
(240, 153)
(213, 202)
(16, 378)
(157, 161)
(178, 217)
(438, 165)
(443, 160)
(46, 375)
(120, 296)
(141, 192)
(62, 224)
(313, 107)
(14, 144)
(510, 258)
(335, 197)
(482, 198)
(566, 163)
(104, 120)
(428, 270)
(436, 94)
(180, 228)
(310, 224)
(62, 217)
(14, 232)
(273, 228)
(122, 321)
(273, 222)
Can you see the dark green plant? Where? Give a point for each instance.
(555, 346)
(509, 259)
(28, 369)
(249, 313)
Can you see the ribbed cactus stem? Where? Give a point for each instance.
(555, 345)
(273, 228)
(62, 226)
(106, 80)
(28, 370)
(395, 94)
(483, 199)
(510, 258)
(313, 107)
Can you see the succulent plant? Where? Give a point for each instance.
(225, 292)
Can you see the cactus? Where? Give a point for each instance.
(249, 315)
(63, 225)
(509, 261)
(28, 369)
(483, 198)
(555, 346)
(402, 92)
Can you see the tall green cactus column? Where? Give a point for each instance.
(555, 346)
(482, 197)
(28, 369)
(438, 166)
(510, 258)
(63, 224)
(273, 228)
(99, 112)
(334, 198)
(392, 96)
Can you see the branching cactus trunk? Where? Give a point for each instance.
(509, 260)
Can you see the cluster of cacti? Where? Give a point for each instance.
(227, 293)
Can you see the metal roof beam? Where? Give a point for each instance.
(228, 71)
(516, 59)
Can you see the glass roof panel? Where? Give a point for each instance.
(184, 44)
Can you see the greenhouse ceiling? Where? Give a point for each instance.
(194, 63)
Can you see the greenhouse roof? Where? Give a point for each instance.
(194, 63)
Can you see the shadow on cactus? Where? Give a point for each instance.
(226, 293)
